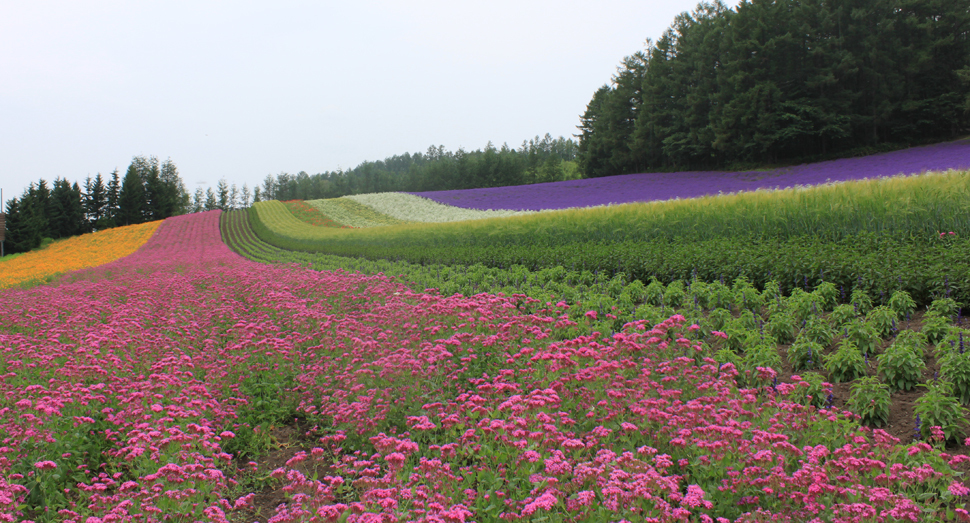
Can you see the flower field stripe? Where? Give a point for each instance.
(311, 215)
(647, 187)
(353, 213)
(410, 208)
(79, 252)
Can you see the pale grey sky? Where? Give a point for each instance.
(242, 89)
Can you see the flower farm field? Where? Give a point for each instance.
(74, 253)
(187, 383)
(665, 186)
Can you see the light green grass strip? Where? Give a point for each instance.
(353, 213)
(411, 208)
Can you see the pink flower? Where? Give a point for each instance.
(45, 465)
(958, 489)
(591, 315)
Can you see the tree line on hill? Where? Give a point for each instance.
(151, 190)
(782, 80)
(148, 191)
(537, 160)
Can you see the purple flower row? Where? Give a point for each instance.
(645, 187)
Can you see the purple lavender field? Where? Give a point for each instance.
(647, 187)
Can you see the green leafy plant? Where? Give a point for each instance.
(901, 367)
(863, 335)
(739, 337)
(955, 368)
(938, 407)
(805, 354)
(718, 319)
(828, 295)
(861, 300)
(781, 327)
(746, 320)
(760, 355)
(804, 305)
(746, 296)
(817, 329)
(870, 399)
(946, 307)
(674, 294)
(845, 364)
(653, 293)
(913, 340)
(935, 327)
(772, 291)
(902, 303)
(842, 315)
(883, 319)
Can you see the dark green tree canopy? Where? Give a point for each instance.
(780, 80)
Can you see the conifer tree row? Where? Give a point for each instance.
(782, 80)
(147, 192)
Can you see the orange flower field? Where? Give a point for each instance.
(79, 252)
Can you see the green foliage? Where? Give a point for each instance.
(845, 364)
(653, 293)
(902, 303)
(817, 330)
(870, 399)
(781, 327)
(861, 300)
(804, 305)
(955, 368)
(863, 335)
(718, 319)
(912, 340)
(842, 315)
(901, 367)
(828, 295)
(883, 319)
(938, 407)
(761, 355)
(804, 354)
(935, 327)
(772, 291)
(945, 307)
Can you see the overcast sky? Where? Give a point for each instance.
(241, 89)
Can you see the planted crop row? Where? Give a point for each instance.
(923, 267)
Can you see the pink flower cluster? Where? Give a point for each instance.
(130, 378)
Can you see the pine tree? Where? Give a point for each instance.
(111, 211)
(131, 198)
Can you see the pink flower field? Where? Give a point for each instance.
(157, 387)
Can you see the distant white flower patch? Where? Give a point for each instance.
(409, 207)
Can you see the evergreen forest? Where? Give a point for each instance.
(779, 81)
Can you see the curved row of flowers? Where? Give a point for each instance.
(79, 252)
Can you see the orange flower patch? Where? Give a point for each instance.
(79, 252)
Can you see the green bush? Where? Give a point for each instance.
(901, 367)
(870, 399)
(938, 407)
(845, 364)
